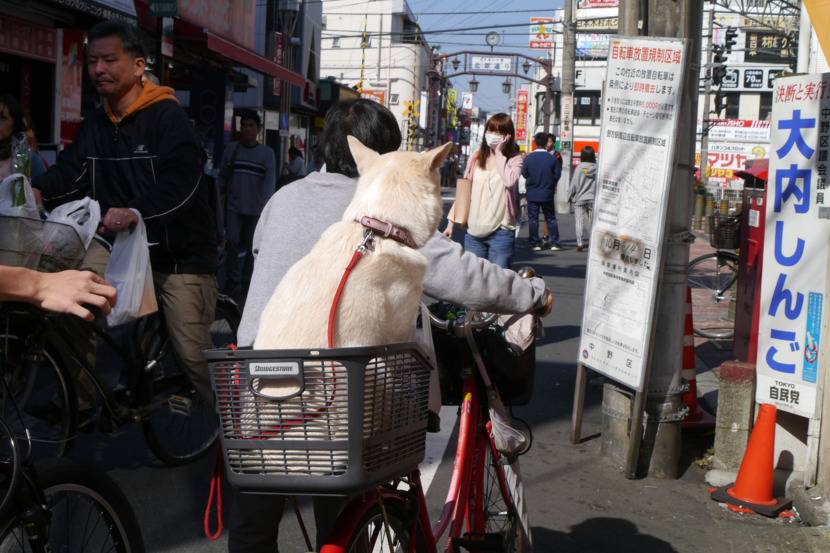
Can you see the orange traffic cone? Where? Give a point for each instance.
(697, 417)
(752, 492)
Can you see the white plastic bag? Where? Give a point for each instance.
(129, 271)
(83, 215)
(8, 191)
(508, 439)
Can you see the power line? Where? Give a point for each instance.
(419, 14)
(436, 31)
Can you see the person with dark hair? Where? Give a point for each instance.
(13, 139)
(542, 172)
(296, 164)
(581, 194)
(247, 178)
(138, 154)
(494, 170)
(288, 229)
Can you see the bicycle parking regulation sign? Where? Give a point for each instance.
(792, 331)
(643, 87)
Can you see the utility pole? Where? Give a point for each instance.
(567, 90)
(707, 91)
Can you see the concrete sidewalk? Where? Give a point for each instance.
(579, 501)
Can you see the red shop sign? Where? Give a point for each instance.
(27, 39)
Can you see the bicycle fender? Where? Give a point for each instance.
(351, 516)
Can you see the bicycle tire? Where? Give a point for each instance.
(500, 515)
(377, 542)
(40, 398)
(168, 444)
(711, 278)
(67, 488)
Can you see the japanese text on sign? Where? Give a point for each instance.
(643, 83)
(794, 289)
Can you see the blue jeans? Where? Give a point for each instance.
(496, 247)
(533, 221)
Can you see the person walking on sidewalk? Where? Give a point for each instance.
(494, 171)
(542, 172)
(581, 194)
(248, 179)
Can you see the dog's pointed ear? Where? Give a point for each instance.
(363, 156)
(435, 157)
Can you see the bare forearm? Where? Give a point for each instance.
(19, 284)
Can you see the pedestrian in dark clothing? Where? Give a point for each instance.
(542, 172)
(247, 176)
(138, 153)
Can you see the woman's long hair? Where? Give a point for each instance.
(502, 124)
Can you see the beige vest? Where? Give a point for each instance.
(488, 204)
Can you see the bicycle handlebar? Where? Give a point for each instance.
(473, 322)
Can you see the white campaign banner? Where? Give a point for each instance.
(642, 94)
(792, 333)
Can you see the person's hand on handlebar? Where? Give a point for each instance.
(546, 309)
(72, 292)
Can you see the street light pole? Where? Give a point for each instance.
(707, 91)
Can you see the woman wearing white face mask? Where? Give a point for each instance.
(494, 170)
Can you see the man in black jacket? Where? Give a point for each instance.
(138, 152)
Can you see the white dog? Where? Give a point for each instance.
(380, 301)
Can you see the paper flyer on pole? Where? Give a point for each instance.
(643, 88)
(792, 333)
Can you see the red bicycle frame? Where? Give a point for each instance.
(464, 505)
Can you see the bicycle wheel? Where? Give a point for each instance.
(182, 426)
(88, 512)
(37, 395)
(712, 279)
(384, 532)
(500, 515)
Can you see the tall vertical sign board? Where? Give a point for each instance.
(792, 332)
(643, 90)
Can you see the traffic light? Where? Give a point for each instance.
(718, 67)
(718, 73)
(720, 103)
(730, 39)
(719, 55)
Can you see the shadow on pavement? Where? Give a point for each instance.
(599, 535)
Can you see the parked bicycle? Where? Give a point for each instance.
(60, 505)
(40, 349)
(352, 421)
(712, 279)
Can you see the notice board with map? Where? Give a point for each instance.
(643, 88)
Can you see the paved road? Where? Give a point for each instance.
(578, 501)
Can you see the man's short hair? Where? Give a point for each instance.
(250, 115)
(540, 139)
(366, 120)
(130, 39)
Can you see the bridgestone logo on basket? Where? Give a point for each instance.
(274, 369)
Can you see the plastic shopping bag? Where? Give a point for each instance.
(509, 440)
(17, 198)
(129, 271)
(83, 215)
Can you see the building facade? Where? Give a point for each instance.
(388, 64)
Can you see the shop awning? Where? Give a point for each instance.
(251, 59)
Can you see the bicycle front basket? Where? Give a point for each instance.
(320, 422)
(39, 245)
(725, 231)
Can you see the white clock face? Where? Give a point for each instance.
(492, 38)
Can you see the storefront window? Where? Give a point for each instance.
(765, 110)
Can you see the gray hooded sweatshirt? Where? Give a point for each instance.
(583, 184)
(295, 218)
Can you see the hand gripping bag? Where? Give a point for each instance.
(130, 272)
